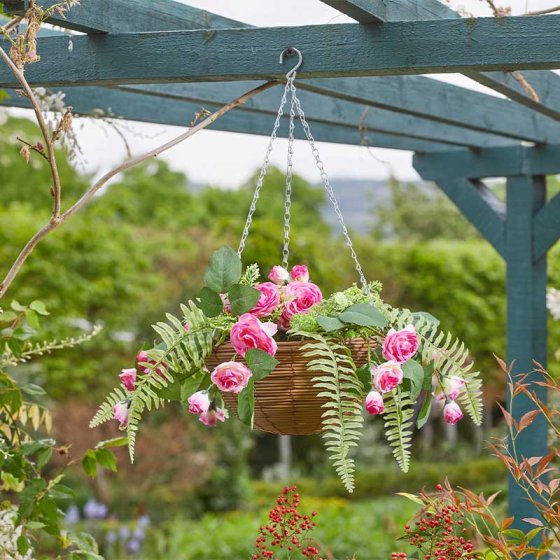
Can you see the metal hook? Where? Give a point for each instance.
(290, 51)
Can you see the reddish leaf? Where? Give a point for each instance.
(533, 521)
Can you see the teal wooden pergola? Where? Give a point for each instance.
(159, 61)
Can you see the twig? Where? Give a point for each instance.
(56, 189)
(32, 147)
(543, 12)
(11, 24)
(98, 185)
(526, 86)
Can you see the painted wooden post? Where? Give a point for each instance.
(526, 317)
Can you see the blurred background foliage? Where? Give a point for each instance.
(141, 248)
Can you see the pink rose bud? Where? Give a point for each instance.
(186, 326)
(300, 298)
(400, 346)
(120, 413)
(143, 358)
(269, 299)
(452, 413)
(300, 273)
(128, 378)
(279, 275)
(199, 402)
(231, 377)
(212, 417)
(453, 386)
(249, 333)
(374, 402)
(387, 376)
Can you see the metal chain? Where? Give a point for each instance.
(289, 174)
(330, 192)
(264, 169)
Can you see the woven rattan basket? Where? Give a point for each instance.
(286, 401)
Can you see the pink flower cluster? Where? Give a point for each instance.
(398, 348)
(452, 387)
(199, 403)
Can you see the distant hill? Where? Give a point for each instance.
(357, 199)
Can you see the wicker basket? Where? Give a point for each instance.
(286, 401)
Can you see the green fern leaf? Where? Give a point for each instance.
(398, 415)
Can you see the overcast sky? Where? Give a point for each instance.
(228, 159)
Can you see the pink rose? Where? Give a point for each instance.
(128, 378)
(249, 333)
(120, 413)
(453, 386)
(452, 413)
(143, 358)
(300, 273)
(374, 402)
(269, 299)
(231, 377)
(199, 402)
(400, 346)
(300, 298)
(279, 275)
(211, 417)
(387, 376)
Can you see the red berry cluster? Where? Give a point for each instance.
(439, 535)
(287, 531)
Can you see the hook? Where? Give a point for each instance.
(290, 51)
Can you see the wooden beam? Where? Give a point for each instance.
(96, 102)
(327, 110)
(490, 162)
(472, 198)
(123, 16)
(547, 227)
(354, 50)
(545, 84)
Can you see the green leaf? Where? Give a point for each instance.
(61, 492)
(16, 306)
(43, 457)
(260, 363)
(413, 371)
(364, 375)
(427, 316)
(210, 302)
(242, 298)
(428, 374)
(411, 497)
(33, 525)
(7, 317)
(171, 392)
(424, 413)
(246, 404)
(39, 307)
(84, 542)
(106, 459)
(224, 270)
(32, 319)
(363, 315)
(113, 442)
(22, 545)
(33, 390)
(329, 324)
(89, 464)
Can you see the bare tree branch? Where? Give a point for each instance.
(543, 12)
(57, 220)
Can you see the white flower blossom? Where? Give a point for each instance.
(553, 303)
(9, 535)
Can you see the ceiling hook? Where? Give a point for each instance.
(291, 51)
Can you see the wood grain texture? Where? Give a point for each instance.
(327, 110)
(123, 16)
(526, 320)
(547, 227)
(145, 108)
(252, 53)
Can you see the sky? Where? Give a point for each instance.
(229, 159)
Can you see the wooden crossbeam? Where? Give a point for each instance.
(122, 16)
(252, 53)
(480, 207)
(545, 84)
(143, 108)
(328, 110)
(490, 162)
(547, 227)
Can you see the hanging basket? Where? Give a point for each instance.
(286, 402)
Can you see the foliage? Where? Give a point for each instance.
(30, 489)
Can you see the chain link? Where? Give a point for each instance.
(295, 107)
(262, 174)
(289, 175)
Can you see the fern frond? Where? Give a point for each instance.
(398, 416)
(450, 357)
(342, 418)
(251, 275)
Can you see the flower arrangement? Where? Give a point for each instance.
(405, 359)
